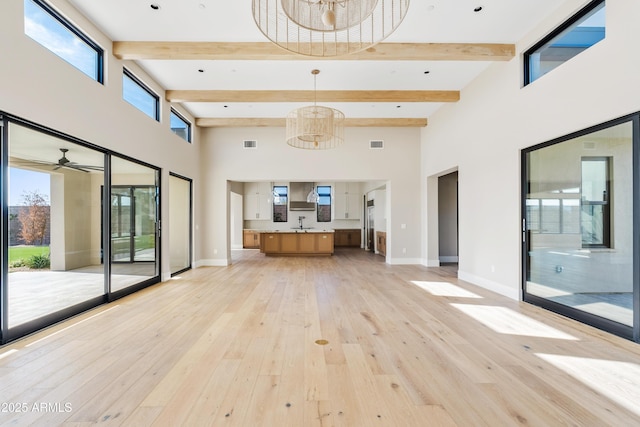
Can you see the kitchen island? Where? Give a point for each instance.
(297, 242)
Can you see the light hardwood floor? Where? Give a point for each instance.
(240, 346)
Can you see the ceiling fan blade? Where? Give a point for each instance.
(28, 162)
(75, 168)
(91, 167)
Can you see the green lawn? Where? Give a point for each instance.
(26, 252)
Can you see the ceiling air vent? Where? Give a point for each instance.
(377, 144)
(250, 143)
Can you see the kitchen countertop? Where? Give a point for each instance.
(297, 230)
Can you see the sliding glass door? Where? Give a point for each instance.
(580, 253)
(134, 223)
(54, 193)
(63, 249)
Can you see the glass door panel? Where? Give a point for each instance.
(179, 223)
(121, 209)
(144, 224)
(579, 224)
(54, 247)
(134, 219)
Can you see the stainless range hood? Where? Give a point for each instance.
(298, 196)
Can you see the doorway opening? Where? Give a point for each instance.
(448, 219)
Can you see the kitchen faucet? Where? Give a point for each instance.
(300, 218)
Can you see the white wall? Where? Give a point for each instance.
(483, 133)
(226, 160)
(40, 87)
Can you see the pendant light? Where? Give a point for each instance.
(315, 127)
(328, 27)
(313, 195)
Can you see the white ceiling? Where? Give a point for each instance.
(427, 21)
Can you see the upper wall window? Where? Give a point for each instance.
(47, 27)
(579, 33)
(180, 126)
(140, 96)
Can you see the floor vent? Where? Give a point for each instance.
(378, 144)
(250, 143)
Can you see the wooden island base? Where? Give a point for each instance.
(283, 243)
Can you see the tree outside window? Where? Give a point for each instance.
(34, 217)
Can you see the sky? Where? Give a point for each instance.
(43, 28)
(21, 181)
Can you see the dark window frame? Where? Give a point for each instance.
(318, 204)
(282, 215)
(143, 86)
(606, 203)
(184, 120)
(78, 33)
(555, 33)
(19, 331)
(628, 332)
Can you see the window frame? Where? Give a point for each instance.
(318, 204)
(143, 86)
(608, 325)
(605, 204)
(538, 215)
(555, 33)
(99, 77)
(175, 112)
(274, 190)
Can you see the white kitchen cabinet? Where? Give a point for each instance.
(257, 201)
(347, 200)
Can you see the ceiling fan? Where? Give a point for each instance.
(66, 163)
(62, 162)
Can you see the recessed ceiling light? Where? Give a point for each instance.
(398, 106)
(155, 6)
(200, 70)
(225, 106)
(477, 9)
(427, 72)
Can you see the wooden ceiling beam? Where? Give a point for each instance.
(136, 50)
(281, 122)
(311, 96)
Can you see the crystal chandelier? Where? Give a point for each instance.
(315, 127)
(328, 27)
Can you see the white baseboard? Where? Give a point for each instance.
(431, 263)
(405, 261)
(211, 263)
(499, 288)
(448, 259)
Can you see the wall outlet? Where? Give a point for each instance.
(215, 252)
(404, 250)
